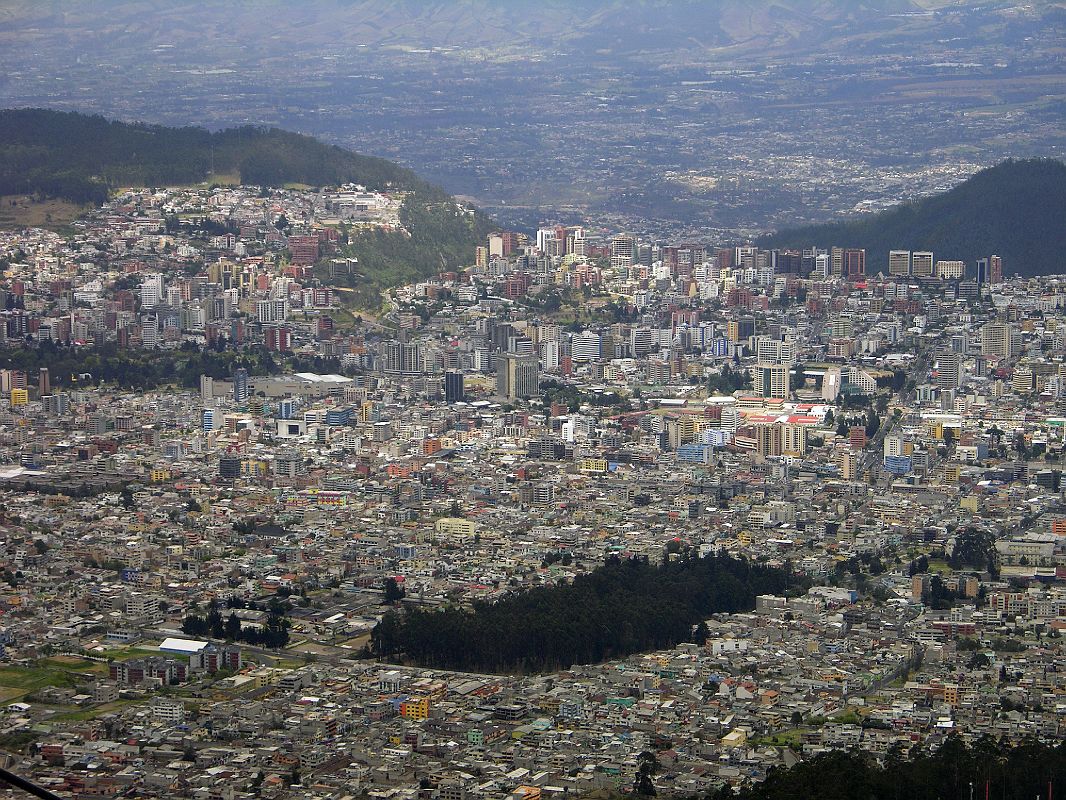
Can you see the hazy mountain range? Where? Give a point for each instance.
(634, 28)
(713, 119)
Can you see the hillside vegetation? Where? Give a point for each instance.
(986, 768)
(81, 158)
(1015, 209)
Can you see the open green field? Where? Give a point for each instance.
(783, 739)
(62, 671)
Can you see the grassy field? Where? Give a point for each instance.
(22, 211)
(63, 671)
(783, 739)
(84, 714)
(939, 566)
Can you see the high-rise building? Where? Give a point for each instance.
(1000, 339)
(277, 338)
(741, 329)
(848, 461)
(771, 380)
(272, 310)
(454, 386)
(151, 290)
(854, 264)
(899, 262)
(768, 439)
(794, 440)
(229, 467)
(922, 264)
(995, 269)
(836, 261)
(240, 386)
(517, 376)
(949, 370)
(586, 346)
(951, 270)
(44, 382)
(623, 249)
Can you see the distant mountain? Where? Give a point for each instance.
(1016, 209)
(484, 26)
(81, 158)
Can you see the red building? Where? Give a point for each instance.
(854, 264)
(304, 249)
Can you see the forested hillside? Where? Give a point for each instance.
(985, 769)
(625, 606)
(1015, 209)
(81, 158)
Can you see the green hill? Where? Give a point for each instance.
(1015, 209)
(81, 158)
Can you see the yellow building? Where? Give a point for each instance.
(415, 708)
(951, 694)
(594, 465)
(735, 738)
(19, 397)
(455, 526)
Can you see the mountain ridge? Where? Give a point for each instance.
(82, 157)
(1014, 209)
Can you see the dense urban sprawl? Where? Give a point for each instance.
(193, 571)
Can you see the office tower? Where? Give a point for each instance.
(240, 386)
(788, 262)
(854, 264)
(899, 262)
(517, 377)
(836, 260)
(44, 382)
(950, 270)
(623, 249)
(57, 404)
(740, 330)
(768, 440)
(922, 264)
(229, 467)
(207, 388)
(272, 310)
(771, 380)
(642, 341)
(822, 266)
(454, 386)
(949, 371)
(730, 420)
(1023, 380)
(151, 290)
(995, 269)
(586, 346)
(1000, 339)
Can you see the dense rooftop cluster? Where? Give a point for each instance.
(295, 468)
